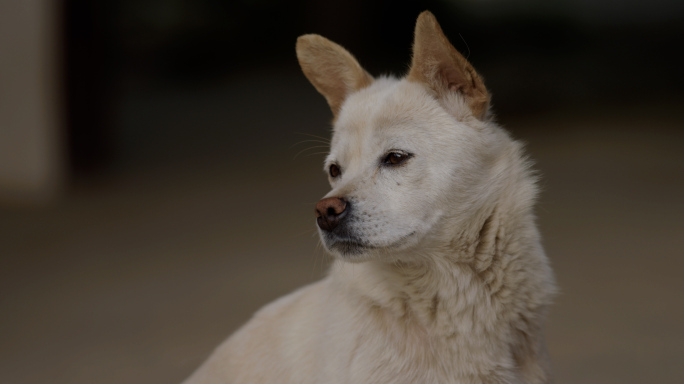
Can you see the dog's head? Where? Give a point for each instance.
(409, 157)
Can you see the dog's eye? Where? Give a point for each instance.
(334, 170)
(395, 158)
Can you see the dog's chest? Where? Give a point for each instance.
(416, 362)
(404, 353)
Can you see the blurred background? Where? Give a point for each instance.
(160, 160)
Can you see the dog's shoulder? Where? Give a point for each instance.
(271, 344)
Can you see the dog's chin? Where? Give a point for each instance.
(356, 251)
(349, 250)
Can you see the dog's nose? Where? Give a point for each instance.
(330, 211)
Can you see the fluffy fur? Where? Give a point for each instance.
(439, 274)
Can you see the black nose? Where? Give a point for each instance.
(330, 211)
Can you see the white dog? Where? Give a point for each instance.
(439, 274)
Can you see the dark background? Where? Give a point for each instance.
(194, 156)
(535, 57)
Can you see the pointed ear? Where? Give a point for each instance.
(331, 69)
(439, 65)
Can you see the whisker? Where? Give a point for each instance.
(316, 153)
(309, 148)
(309, 134)
(468, 55)
(310, 141)
(305, 232)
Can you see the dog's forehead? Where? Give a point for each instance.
(389, 114)
(375, 112)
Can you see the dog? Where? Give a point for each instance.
(439, 275)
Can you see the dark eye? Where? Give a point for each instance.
(334, 170)
(395, 158)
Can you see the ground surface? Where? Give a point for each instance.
(136, 276)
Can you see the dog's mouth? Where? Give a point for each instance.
(346, 245)
(349, 246)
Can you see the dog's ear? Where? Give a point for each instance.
(331, 69)
(438, 64)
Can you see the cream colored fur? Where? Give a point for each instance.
(447, 282)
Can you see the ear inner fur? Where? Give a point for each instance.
(331, 69)
(439, 65)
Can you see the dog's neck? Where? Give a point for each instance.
(474, 283)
